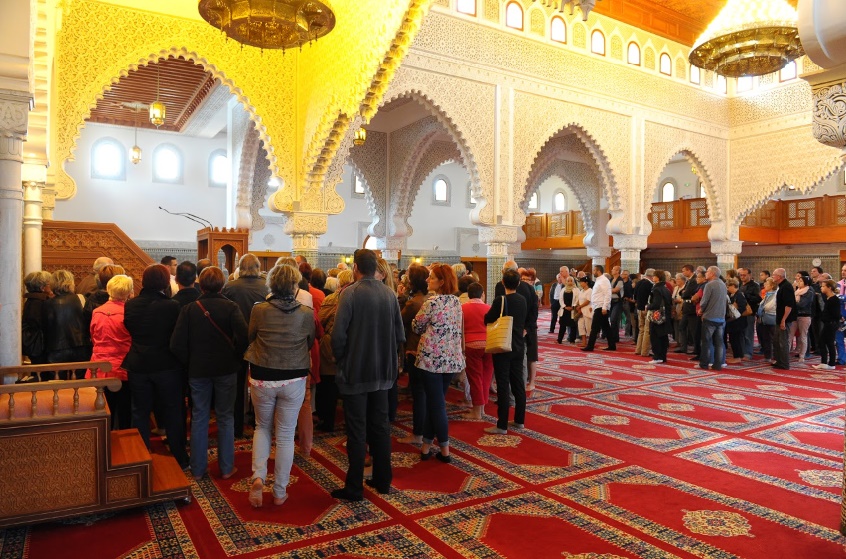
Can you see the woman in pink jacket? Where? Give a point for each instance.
(111, 343)
(479, 363)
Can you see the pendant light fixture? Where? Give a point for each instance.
(158, 109)
(136, 151)
(360, 137)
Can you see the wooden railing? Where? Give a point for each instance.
(778, 222)
(54, 407)
(73, 246)
(558, 231)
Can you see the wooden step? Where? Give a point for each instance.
(167, 475)
(128, 448)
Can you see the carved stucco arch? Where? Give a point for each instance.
(768, 194)
(66, 186)
(438, 153)
(246, 173)
(712, 198)
(368, 193)
(466, 109)
(605, 174)
(570, 171)
(551, 151)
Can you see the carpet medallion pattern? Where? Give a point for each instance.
(619, 459)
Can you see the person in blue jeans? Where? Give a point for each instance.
(713, 314)
(839, 337)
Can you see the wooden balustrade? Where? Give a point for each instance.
(686, 222)
(93, 404)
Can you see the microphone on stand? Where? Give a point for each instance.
(204, 220)
(185, 215)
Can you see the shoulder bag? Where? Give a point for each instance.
(499, 333)
(213, 323)
(731, 311)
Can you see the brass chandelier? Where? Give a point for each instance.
(270, 24)
(749, 38)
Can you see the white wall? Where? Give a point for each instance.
(681, 174)
(435, 225)
(133, 203)
(547, 190)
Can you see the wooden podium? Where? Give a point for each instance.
(233, 243)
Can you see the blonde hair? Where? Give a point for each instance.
(384, 268)
(282, 280)
(120, 287)
(62, 282)
(345, 277)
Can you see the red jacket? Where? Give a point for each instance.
(474, 321)
(110, 338)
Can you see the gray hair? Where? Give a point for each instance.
(62, 282)
(680, 276)
(282, 280)
(101, 263)
(716, 270)
(249, 266)
(732, 282)
(510, 265)
(287, 261)
(649, 272)
(35, 282)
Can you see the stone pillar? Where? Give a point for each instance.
(391, 248)
(497, 238)
(829, 92)
(726, 252)
(32, 220)
(14, 114)
(305, 229)
(630, 247)
(48, 203)
(598, 255)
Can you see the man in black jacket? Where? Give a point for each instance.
(642, 290)
(785, 314)
(687, 328)
(752, 291)
(531, 338)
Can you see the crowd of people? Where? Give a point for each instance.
(194, 334)
(707, 312)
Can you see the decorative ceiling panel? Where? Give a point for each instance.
(183, 86)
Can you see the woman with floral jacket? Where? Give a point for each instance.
(439, 355)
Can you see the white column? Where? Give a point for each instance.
(726, 252)
(599, 255)
(497, 238)
(391, 248)
(32, 220)
(14, 113)
(305, 229)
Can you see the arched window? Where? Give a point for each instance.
(694, 74)
(514, 16)
(534, 201)
(108, 160)
(665, 65)
(668, 192)
(218, 168)
(744, 83)
(167, 164)
(440, 191)
(788, 72)
(357, 186)
(597, 42)
(558, 30)
(466, 7)
(559, 202)
(634, 54)
(721, 84)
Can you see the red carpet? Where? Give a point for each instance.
(619, 459)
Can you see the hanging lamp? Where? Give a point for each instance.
(749, 38)
(136, 151)
(158, 110)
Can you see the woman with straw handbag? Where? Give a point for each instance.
(508, 366)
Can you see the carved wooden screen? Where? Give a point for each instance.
(838, 210)
(765, 216)
(534, 226)
(698, 213)
(801, 213)
(559, 225)
(663, 215)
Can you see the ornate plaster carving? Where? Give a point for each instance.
(437, 153)
(14, 115)
(582, 179)
(258, 181)
(706, 153)
(369, 161)
(830, 115)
